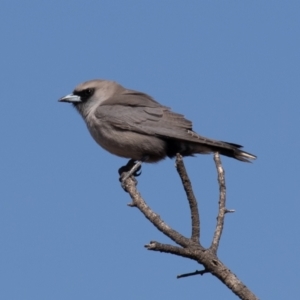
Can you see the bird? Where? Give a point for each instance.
(133, 125)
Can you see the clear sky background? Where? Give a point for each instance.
(232, 67)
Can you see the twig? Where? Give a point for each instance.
(191, 198)
(139, 202)
(222, 200)
(166, 248)
(202, 272)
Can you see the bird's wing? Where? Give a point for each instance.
(139, 113)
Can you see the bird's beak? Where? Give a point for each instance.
(70, 98)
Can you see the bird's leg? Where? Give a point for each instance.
(133, 167)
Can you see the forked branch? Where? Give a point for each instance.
(191, 247)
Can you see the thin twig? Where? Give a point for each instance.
(222, 200)
(202, 272)
(155, 219)
(191, 198)
(166, 248)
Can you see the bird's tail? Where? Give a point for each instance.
(197, 144)
(234, 150)
(224, 148)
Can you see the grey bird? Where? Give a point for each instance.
(133, 125)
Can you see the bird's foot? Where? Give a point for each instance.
(133, 168)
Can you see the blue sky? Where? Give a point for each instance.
(232, 67)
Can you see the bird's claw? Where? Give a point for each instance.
(132, 168)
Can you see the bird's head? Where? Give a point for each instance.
(88, 95)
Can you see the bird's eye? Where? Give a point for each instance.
(88, 92)
(85, 94)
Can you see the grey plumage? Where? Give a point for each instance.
(131, 124)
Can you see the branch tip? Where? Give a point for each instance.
(202, 272)
(229, 211)
(150, 246)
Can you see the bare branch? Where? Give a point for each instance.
(130, 186)
(222, 200)
(191, 198)
(191, 248)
